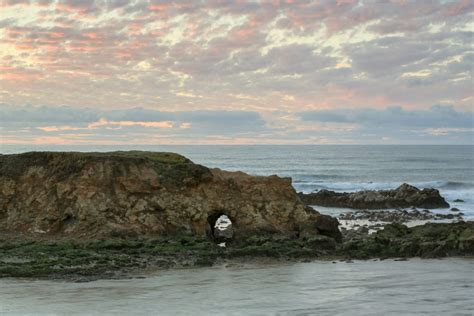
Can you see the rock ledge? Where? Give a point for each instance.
(403, 196)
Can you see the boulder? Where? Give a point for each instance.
(403, 196)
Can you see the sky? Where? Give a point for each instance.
(236, 72)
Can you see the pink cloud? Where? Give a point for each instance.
(91, 35)
(60, 128)
(458, 7)
(159, 7)
(105, 122)
(80, 52)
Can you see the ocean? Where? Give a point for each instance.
(388, 287)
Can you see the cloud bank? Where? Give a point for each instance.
(393, 125)
(251, 71)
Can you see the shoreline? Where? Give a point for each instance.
(244, 262)
(89, 260)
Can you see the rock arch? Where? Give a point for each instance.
(220, 225)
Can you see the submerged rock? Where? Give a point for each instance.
(138, 194)
(396, 240)
(396, 216)
(404, 196)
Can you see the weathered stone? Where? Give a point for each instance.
(404, 196)
(91, 195)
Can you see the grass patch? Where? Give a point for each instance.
(67, 163)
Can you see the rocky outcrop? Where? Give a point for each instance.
(135, 194)
(404, 196)
(397, 216)
(431, 240)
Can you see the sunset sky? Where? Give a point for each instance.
(236, 72)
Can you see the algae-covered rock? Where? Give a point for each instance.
(428, 240)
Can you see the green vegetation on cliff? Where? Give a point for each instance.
(66, 163)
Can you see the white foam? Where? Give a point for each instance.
(450, 190)
(223, 222)
(308, 186)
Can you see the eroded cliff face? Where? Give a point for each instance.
(134, 194)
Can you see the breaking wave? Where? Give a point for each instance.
(358, 186)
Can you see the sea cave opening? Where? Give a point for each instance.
(220, 227)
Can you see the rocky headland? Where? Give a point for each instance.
(156, 205)
(131, 194)
(83, 216)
